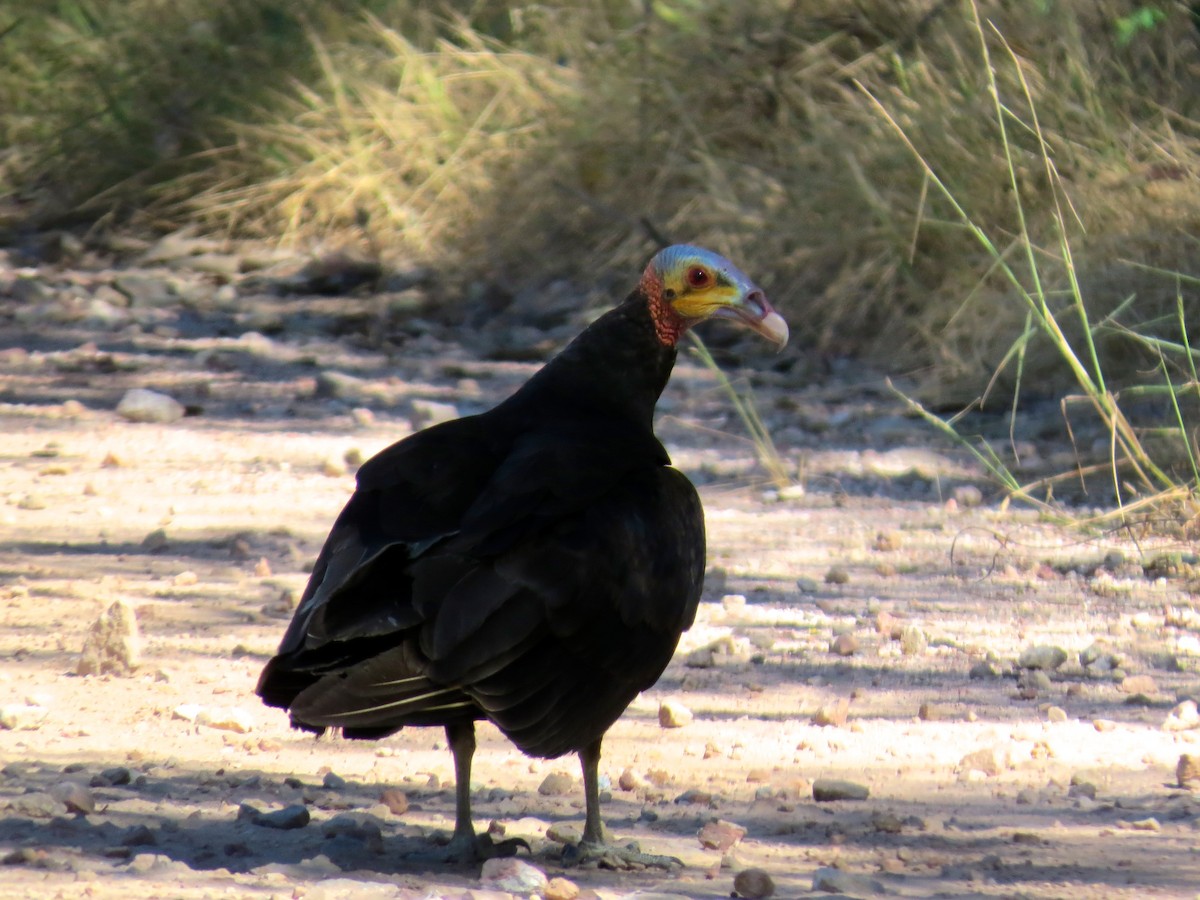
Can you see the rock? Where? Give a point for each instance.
(753, 884)
(835, 881)
(226, 718)
(354, 889)
(286, 819)
(1138, 684)
(114, 776)
(834, 714)
(630, 780)
(934, 712)
(562, 833)
(560, 889)
(395, 800)
(556, 784)
(913, 641)
(514, 875)
(74, 796)
(1081, 787)
(36, 805)
(720, 835)
(1103, 725)
(141, 405)
(1056, 714)
(1043, 657)
(988, 760)
(22, 716)
(139, 836)
(1183, 717)
(844, 645)
(673, 714)
(144, 290)
(807, 585)
(825, 790)
(113, 645)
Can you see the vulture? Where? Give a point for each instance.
(533, 565)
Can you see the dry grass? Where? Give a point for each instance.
(526, 142)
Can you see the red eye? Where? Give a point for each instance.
(698, 277)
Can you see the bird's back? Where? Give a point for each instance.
(534, 565)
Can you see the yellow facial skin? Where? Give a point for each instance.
(698, 287)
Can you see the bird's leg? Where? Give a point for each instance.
(594, 847)
(461, 737)
(465, 845)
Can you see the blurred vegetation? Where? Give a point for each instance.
(521, 141)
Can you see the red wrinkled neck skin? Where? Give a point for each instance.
(669, 326)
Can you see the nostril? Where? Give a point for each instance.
(758, 300)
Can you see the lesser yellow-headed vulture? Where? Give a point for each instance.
(533, 565)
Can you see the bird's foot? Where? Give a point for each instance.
(467, 849)
(613, 856)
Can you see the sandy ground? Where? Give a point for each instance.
(990, 784)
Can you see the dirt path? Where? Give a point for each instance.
(871, 599)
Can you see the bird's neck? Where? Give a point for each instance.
(618, 367)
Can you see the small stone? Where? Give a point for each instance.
(720, 835)
(262, 569)
(225, 718)
(844, 645)
(75, 797)
(562, 833)
(139, 836)
(113, 645)
(22, 716)
(837, 575)
(155, 541)
(513, 875)
(31, 502)
(934, 712)
(987, 760)
(36, 805)
(141, 405)
(556, 784)
(185, 578)
(694, 797)
(560, 889)
(286, 819)
(395, 800)
(832, 714)
(835, 881)
(114, 776)
(1187, 772)
(1103, 725)
(630, 780)
(332, 781)
(1183, 717)
(1147, 824)
(807, 585)
(1081, 787)
(913, 641)
(825, 790)
(1042, 657)
(673, 714)
(753, 884)
(1056, 714)
(1138, 684)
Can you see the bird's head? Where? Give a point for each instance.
(685, 285)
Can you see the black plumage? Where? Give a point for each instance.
(534, 565)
